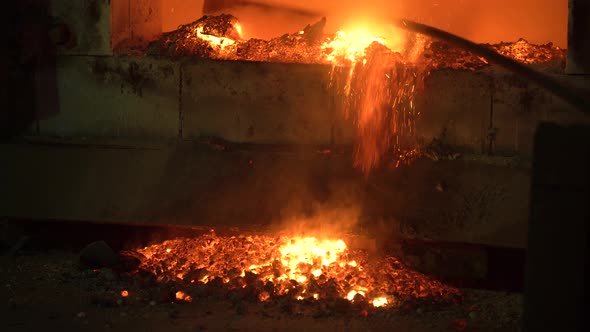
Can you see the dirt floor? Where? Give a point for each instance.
(49, 291)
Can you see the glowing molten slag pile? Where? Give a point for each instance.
(300, 268)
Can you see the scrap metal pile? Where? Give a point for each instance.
(295, 270)
(441, 55)
(220, 37)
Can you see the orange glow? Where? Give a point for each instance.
(541, 21)
(298, 267)
(124, 293)
(182, 296)
(525, 52)
(238, 28)
(317, 273)
(263, 296)
(380, 302)
(221, 43)
(353, 293)
(348, 47)
(309, 250)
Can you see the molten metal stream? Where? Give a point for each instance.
(574, 96)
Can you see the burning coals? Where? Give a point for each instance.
(299, 269)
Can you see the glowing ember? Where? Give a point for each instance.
(124, 293)
(212, 37)
(307, 251)
(353, 293)
(441, 55)
(528, 53)
(300, 268)
(220, 43)
(182, 296)
(263, 296)
(348, 47)
(380, 302)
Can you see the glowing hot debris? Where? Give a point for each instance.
(306, 250)
(182, 296)
(217, 42)
(353, 293)
(380, 302)
(349, 46)
(299, 268)
(317, 273)
(263, 296)
(124, 293)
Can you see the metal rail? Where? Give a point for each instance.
(578, 98)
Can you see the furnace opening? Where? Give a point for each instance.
(137, 22)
